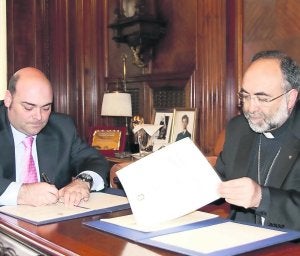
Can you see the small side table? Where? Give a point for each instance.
(117, 160)
(115, 165)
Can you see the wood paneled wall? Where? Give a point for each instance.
(201, 38)
(210, 73)
(205, 50)
(66, 40)
(271, 25)
(71, 42)
(27, 35)
(77, 58)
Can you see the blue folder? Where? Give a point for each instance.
(289, 235)
(145, 237)
(136, 235)
(111, 209)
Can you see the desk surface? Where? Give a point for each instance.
(116, 160)
(73, 238)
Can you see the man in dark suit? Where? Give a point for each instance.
(59, 154)
(260, 161)
(184, 133)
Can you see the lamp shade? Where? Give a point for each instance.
(116, 104)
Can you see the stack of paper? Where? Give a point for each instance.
(169, 183)
(164, 189)
(97, 204)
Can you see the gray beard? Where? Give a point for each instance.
(270, 123)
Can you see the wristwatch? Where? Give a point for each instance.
(85, 177)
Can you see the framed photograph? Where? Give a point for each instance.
(162, 117)
(108, 139)
(184, 124)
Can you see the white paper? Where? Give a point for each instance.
(150, 129)
(128, 221)
(217, 237)
(169, 183)
(37, 214)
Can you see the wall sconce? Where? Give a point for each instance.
(141, 31)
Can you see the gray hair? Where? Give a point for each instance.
(289, 68)
(12, 83)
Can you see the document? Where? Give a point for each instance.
(128, 221)
(169, 183)
(98, 203)
(197, 233)
(125, 226)
(227, 238)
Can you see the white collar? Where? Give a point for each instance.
(268, 135)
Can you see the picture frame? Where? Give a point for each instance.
(189, 115)
(108, 139)
(163, 116)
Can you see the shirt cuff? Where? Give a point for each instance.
(10, 195)
(98, 183)
(263, 207)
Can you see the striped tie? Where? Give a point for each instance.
(29, 173)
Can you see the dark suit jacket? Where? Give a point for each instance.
(182, 135)
(284, 181)
(61, 153)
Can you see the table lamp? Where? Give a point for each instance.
(118, 104)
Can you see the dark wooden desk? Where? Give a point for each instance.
(73, 238)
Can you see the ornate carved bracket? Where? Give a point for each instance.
(141, 32)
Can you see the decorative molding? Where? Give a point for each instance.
(178, 80)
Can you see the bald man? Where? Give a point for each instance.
(71, 168)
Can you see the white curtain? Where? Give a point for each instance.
(3, 49)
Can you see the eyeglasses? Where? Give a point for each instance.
(259, 99)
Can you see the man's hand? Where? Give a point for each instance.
(243, 192)
(36, 194)
(74, 193)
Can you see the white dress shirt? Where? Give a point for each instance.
(9, 196)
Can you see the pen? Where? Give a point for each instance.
(79, 206)
(45, 178)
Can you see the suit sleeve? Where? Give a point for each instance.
(64, 154)
(284, 208)
(86, 158)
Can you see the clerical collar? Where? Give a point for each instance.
(268, 135)
(279, 131)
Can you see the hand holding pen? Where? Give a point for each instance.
(39, 193)
(45, 178)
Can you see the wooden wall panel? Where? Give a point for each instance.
(210, 74)
(59, 51)
(66, 40)
(71, 42)
(271, 25)
(77, 63)
(28, 40)
(174, 53)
